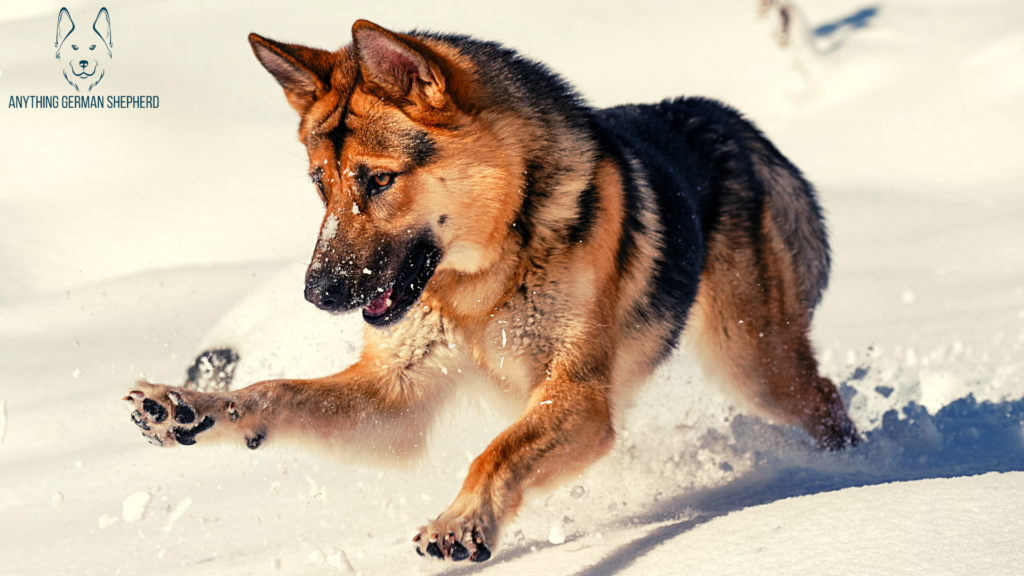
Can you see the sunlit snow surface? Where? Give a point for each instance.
(131, 240)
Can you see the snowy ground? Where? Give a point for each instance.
(132, 239)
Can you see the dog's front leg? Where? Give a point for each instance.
(379, 410)
(566, 427)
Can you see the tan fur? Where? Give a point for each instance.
(560, 340)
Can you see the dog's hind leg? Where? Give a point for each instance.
(750, 325)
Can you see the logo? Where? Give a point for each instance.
(84, 53)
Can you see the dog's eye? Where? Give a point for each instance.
(380, 182)
(93, 47)
(75, 47)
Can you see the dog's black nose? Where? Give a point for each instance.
(83, 63)
(326, 294)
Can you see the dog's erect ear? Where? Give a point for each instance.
(398, 66)
(303, 72)
(102, 27)
(64, 27)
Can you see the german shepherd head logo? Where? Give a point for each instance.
(83, 52)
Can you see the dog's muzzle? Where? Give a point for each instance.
(327, 294)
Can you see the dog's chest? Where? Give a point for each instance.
(515, 345)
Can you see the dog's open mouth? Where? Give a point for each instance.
(415, 272)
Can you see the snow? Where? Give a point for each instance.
(329, 229)
(174, 513)
(106, 521)
(135, 506)
(936, 526)
(333, 557)
(132, 240)
(557, 534)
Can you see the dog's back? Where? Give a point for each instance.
(703, 159)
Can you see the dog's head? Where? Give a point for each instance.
(83, 52)
(420, 176)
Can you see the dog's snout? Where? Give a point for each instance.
(83, 63)
(326, 294)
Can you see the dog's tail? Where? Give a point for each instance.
(793, 207)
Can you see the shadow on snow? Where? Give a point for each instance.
(828, 37)
(964, 438)
(859, 19)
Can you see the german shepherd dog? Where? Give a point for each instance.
(86, 51)
(492, 226)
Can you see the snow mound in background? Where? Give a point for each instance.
(278, 334)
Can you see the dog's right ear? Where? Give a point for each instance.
(303, 72)
(65, 25)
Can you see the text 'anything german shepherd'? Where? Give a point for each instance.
(488, 222)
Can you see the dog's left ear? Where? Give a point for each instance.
(304, 73)
(102, 27)
(400, 67)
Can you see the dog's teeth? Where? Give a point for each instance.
(387, 302)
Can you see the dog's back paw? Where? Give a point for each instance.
(212, 371)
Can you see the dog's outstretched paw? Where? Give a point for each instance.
(169, 416)
(455, 540)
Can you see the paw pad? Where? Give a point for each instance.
(187, 436)
(183, 413)
(162, 414)
(154, 410)
(254, 442)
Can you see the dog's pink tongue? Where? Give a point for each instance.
(379, 304)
